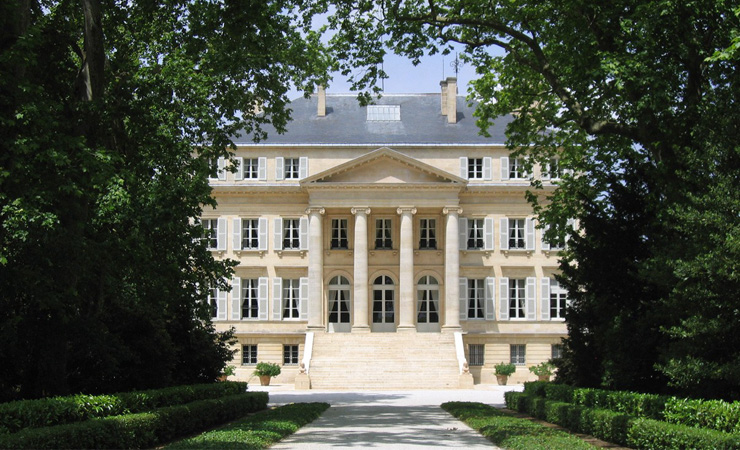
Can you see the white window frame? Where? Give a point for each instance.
(339, 233)
(250, 299)
(556, 351)
(476, 354)
(291, 354)
(428, 233)
(517, 298)
(291, 239)
(516, 169)
(476, 233)
(384, 233)
(249, 354)
(507, 232)
(518, 354)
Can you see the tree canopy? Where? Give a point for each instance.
(640, 99)
(109, 114)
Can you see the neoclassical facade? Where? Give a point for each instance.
(387, 246)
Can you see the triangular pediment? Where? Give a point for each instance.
(384, 167)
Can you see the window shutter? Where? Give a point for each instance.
(530, 298)
(262, 298)
(303, 167)
(487, 170)
(464, 167)
(463, 298)
(221, 166)
(303, 236)
(277, 298)
(529, 233)
(239, 175)
(490, 305)
(262, 168)
(488, 232)
(262, 233)
(545, 300)
(221, 234)
(221, 314)
(503, 304)
(504, 168)
(237, 234)
(236, 299)
(279, 168)
(504, 233)
(277, 234)
(462, 225)
(545, 244)
(303, 314)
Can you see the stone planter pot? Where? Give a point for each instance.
(502, 379)
(265, 380)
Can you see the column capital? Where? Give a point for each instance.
(360, 210)
(452, 210)
(403, 209)
(315, 209)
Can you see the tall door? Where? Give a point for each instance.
(339, 320)
(427, 307)
(384, 317)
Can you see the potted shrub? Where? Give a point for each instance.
(502, 371)
(226, 373)
(265, 371)
(543, 370)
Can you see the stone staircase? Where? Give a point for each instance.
(406, 360)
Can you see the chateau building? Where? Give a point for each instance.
(386, 246)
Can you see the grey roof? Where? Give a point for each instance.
(345, 123)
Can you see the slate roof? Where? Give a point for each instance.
(346, 123)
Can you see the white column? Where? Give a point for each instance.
(315, 267)
(406, 270)
(452, 269)
(360, 316)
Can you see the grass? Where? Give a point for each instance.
(256, 431)
(511, 432)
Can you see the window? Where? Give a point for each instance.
(291, 234)
(476, 298)
(339, 300)
(383, 113)
(339, 234)
(517, 239)
(250, 234)
(553, 170)
(475, 234)
(291, 298)
(213, 301)
(475, 168)
(290, 355)
(476, 352)
(210, 233)
(249, 355)
(556, 351)
(558, 299)
(292, 168)
(517, 299)
(250, 169)
(250, 298)
(427, 294)
(216, 167)
(383, 305)
(427, 234)
(516, 168)
(383, 231)
(518, 354)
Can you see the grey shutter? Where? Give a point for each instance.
(303, 235)
(488, 233)
(277, 234)
(487, 170)
(262, 298)
(277, 298)
(221, 166)
(262, 168)
(463, 298)
(545, 243)
(503, 304)
(529, 233)
(239, 175)
(303, 314)
(504, 233)
(221, 234)
(530, 298)
(236, 299)
(490, 306)
(262, 233)
(237, 234)
(279, 168)
(303, 167)
(221, 305)
(545, 299)
(462, 225)
(464, 167)
(504, 168)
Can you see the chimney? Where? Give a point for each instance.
(443, 84)
(321, 111)
(451, 104)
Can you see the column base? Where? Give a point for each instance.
(361, 329)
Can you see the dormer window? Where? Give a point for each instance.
(383, 113)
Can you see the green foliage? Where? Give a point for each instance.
(503, 368)
(713, 414)
(265, 369)
(543, 368)
(142, 430)
(21, 414)
(257, 431)
(650, 434)
(509, 432)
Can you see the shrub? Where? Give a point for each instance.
(712, 414)
(559, 392)
(503, 368)
(650, 434)
(535, 388)
(515, 401)
(265, 369)
(543, 368)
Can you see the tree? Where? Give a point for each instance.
(110, 114)
(640, 99)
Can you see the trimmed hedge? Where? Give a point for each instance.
(142, 430)
(21, 414)
(713, 414)
(650, 434)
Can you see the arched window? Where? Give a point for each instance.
(339, 300)
(383, 294)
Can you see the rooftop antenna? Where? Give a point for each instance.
(456, 64)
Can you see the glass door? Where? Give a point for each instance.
(384, 318)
